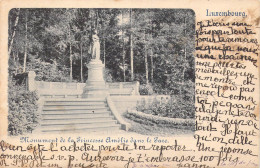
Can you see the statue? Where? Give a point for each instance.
(95, 47)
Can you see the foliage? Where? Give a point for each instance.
(49, 72)
(107, 75)
(163, 121)
(146, 89)
(62, 37)
(176, 107)
(23, 115)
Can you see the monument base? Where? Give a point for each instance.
(95, 85)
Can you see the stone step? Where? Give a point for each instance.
(73, 127)
(60, 96)
(111, 128)
(57, 100)
(75, 104)
(76, 111)
(75, 116)
(62, 108)
(85, 124)
(77, 121)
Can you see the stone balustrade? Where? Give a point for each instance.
(75, 90)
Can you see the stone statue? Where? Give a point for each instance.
(95, 85)
(95, 47)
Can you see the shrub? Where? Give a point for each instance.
(176, 107)
(107, 75)
(146, 89)
(23, 110)
(140, 106)
(49, 72)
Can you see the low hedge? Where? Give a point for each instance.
(149, 119)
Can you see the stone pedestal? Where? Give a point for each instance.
(95, 85)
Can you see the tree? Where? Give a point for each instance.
(123, 48)
(26, 41)
(63, 30)
(143, 35)
(152, 66)
(82, 35)
(131, 47)
(14, 31)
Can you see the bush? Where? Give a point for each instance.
(49, 72)
(23, 110)
(176, 107)
(146, 89)
(107, 75)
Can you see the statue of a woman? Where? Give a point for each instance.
(95, 46)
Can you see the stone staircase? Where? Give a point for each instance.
(77, 115)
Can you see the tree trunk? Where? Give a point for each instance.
(104, 43)
(81, 63)
(104, 51)
(146, 65)
(123, 46)
(26, 42)
(124, 59)
(70, 47)
(70, 57)
(146, 61)
(152, 65)
(96, 25)
(13, 35)
(185, 53)
(131, 48)
(15, 64)
(184, 68)
(70, 63)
